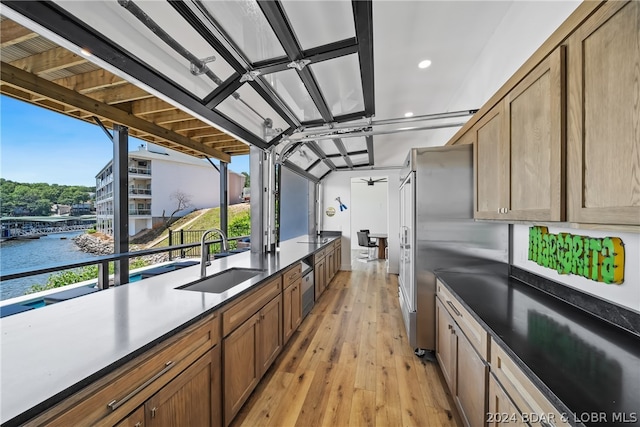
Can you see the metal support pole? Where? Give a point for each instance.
(224, 197)
(269, 201)
(103, 275)
(121, 201)
(256, 166)
(182, 242)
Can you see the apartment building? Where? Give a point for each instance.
(158, 177)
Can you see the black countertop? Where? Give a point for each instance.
(49, 353)
(586, 367)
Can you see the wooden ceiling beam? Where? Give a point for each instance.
(92, 80)
(32, 83)
(187, 125)
(229, 144)
(48, 61)
(168, 117)
(237, 151)
(119, 94)
(150, 106)
(12, 33)
(15, 93)
(206, 132)
(222, 137)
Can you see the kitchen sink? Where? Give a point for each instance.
(223, 281)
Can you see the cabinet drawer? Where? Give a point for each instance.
(111, 398)
(319, 255)
(291, 275)
(239, 311)
(477, 335)
(521, 390)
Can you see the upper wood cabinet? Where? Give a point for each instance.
(519, 148)
(535, 143)
(490, 165)
(604, 117)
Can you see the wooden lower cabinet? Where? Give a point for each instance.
(470, 382)
(240, 366)
(319, 274)
(502, 411)
(445, 344)
(291, 309)
(330, 265)
(248, 352)
(190, 399)
(463, 368)
(270, 333)
(135, 419)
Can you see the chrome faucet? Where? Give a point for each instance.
(204, 249)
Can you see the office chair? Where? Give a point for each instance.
(371, 239)
(363, 240)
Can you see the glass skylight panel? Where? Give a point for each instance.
(303, 157)
(320, 169)
(317, 23)
(355, 144)
(288, 85)
(328, 146)
(360, 159)
(339, 162)
(339, 80)
(247, 26)
(124, 29)
(252, 112)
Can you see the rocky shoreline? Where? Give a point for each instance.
(96, 244)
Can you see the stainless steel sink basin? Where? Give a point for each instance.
(223, 281)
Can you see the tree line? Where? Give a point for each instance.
(18, 199)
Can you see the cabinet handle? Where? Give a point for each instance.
(138, 424)
(153, 412)
(115, 404)
(453, 307)
(449, 326)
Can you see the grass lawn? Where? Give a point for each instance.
(210, 219)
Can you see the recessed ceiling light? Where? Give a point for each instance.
(85, 52)
(424, 64)
(409, 114)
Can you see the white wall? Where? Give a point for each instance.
(236, 184)
(626, 294)
(369, 208)
(338, 184)
(201, 183)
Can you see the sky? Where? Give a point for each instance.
(38, 145)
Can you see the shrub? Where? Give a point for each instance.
(69, 277)
(240, 225)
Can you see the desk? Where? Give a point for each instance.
(382, 243)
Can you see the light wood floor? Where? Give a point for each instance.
(349, 364)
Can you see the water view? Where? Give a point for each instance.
(48, 250)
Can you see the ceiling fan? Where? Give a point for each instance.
(372, 181)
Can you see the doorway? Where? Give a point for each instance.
(369, 211)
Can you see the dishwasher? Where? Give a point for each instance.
(308, 290)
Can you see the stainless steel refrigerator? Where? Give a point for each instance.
(437, 230)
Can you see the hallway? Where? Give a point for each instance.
(349, 364)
